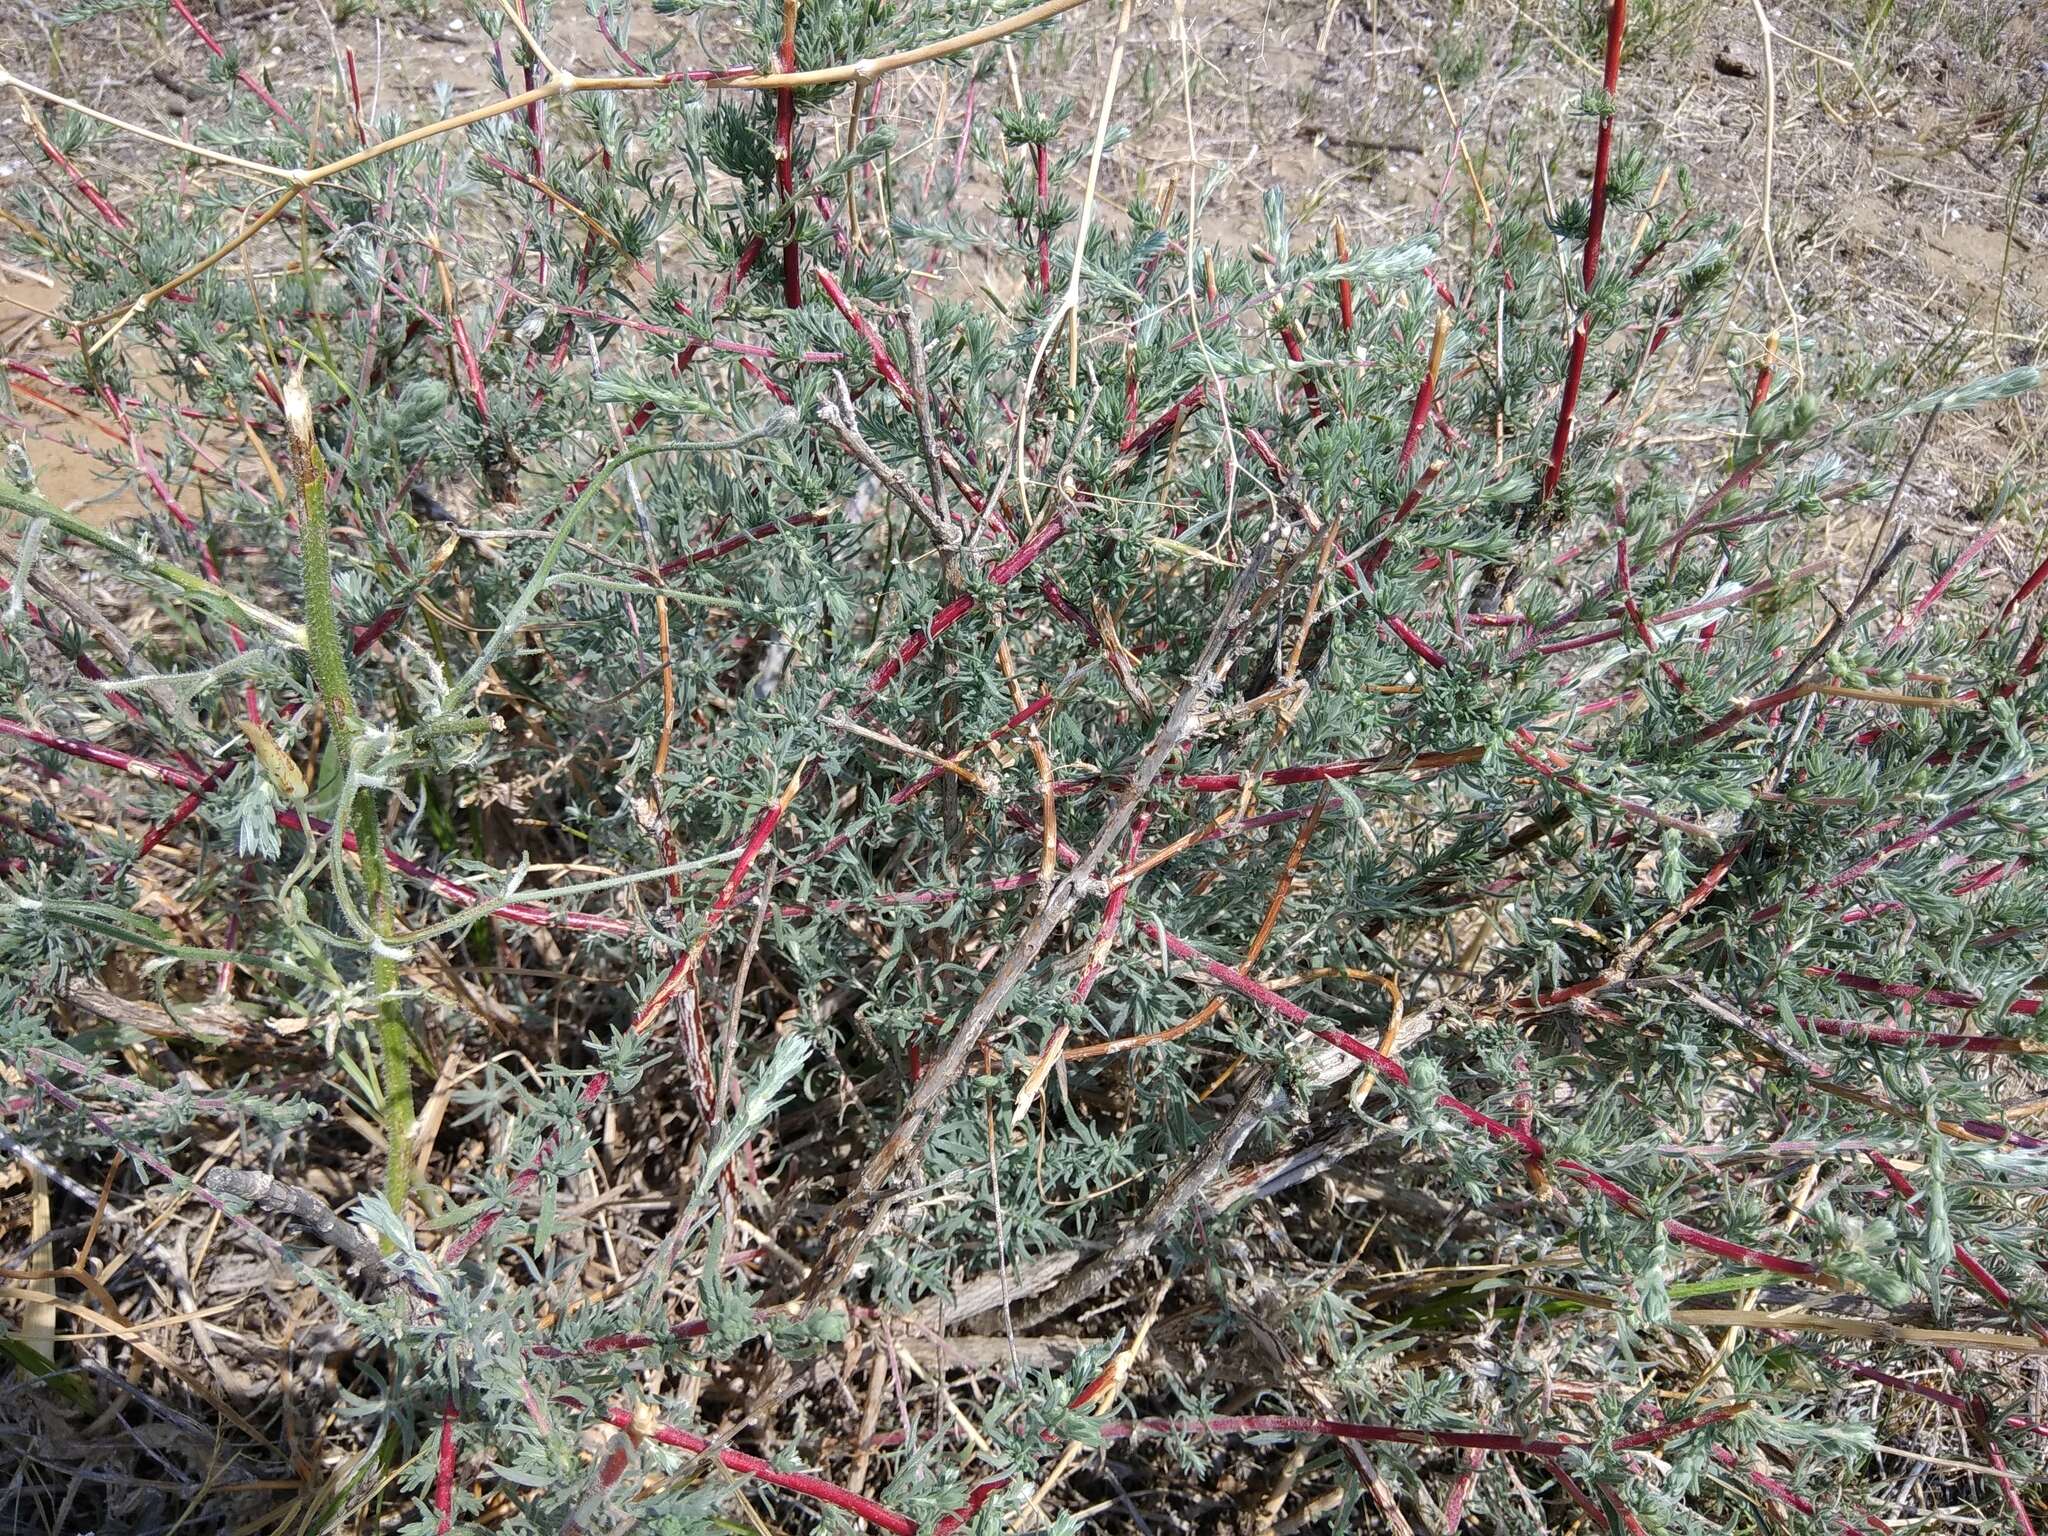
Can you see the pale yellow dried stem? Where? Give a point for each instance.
(532, 43)
(561, 85)
(1799, 1319)
(950, 765)
(292, 175)
(873, 69)
(1070, 306)
(865, 70)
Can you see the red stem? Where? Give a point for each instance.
(1460, 1490)
(444, 1474)
(213, 47)
(877, 353)
(470, 372)
(1912, 992)
(1294, 355)
(355, 96)
(1425, 395)
(644, 1018)
(1680, 1232)
(1409, 502)
(1926, 1040)
(384, 622)
(1984, 1280)
(785, 162)
(1763, 388)
(87, 667)
(2026, 590)
(1344, 303)
(1138, 439)
(1635, 612)
(1630, 1525)
(1955, 818)
(1787, 1496)
(1596, 220)
(1112, 911)
(2028, 662)
(1963, 562)
(1416, 643)
(1560, 439)
(1582, 333)
(800, 1483)
(1001, 575)
(86, 189)
(106, 757)
(185, 808)
(1690, 1236)
(1979, 1409)
(753, 535)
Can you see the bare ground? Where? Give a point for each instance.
(1907, 177)
(1908, 201)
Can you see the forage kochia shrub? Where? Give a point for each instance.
(1266, 838)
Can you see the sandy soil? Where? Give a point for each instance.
(1909, 214)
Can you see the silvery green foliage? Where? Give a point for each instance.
(1696, 932)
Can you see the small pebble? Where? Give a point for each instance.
(1735, 60)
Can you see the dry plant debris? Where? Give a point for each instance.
(783, 794)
